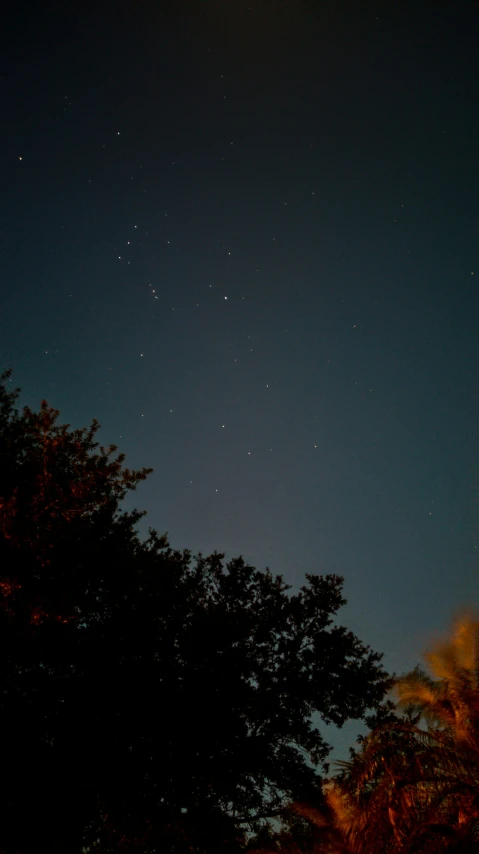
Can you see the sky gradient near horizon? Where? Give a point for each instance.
(244, 236)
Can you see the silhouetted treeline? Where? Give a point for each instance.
(150, 700)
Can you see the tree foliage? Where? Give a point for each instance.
(151, 700)
(413, 788)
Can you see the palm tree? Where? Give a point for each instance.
(449, 705)
(413, 788)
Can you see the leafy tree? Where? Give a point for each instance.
(150, 701)
(414, 786)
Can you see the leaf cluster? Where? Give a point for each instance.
(413, 787)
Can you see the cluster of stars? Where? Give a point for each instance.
(162, 234)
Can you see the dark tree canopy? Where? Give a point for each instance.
(150, 700)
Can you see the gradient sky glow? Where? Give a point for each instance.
(244, 236)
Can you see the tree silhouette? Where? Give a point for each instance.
(150, 701)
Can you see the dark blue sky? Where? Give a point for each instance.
(244, 236)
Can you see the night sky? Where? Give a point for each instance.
(244, 236)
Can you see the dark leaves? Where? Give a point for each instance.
(150, 700)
